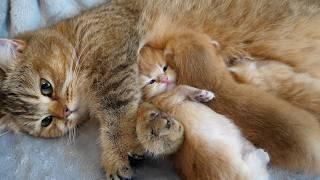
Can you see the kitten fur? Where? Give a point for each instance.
(213, 147)
(90, 61)
(286, 31)
(300, 89)
(289, 134)
(158, 133)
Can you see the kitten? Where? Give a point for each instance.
(158, 133)
(289, 134)
(86, 65)
(285, 31)
(300, 89)
(213, 146)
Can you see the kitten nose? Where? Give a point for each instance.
(66, 112)
(164, 79)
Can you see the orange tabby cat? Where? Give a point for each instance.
(300, 89)
(86, 65)
(289, 134)
(213, 146)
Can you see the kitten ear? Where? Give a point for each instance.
(9, 50)
(168, 54)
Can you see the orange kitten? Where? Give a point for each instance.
(300, 89)
(213, 146)
(289, 134)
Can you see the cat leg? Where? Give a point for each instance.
(168, 100)
(117, 115)
(117, 139)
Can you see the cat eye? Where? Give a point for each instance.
(46, 121)
(46, 88)
(152, 81)
(165, 68)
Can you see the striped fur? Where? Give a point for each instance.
(91, 62)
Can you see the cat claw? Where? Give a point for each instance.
(263, 155)
(203, 96)
(136, 156)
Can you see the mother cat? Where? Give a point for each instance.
(87, 65)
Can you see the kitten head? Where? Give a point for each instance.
(40, 90)
(181, 50)
(158, 133)
(155, 75)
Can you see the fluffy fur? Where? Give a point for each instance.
(300, 89)
(213, 147)
(90, 62)
(158, 133)
(289, 134)
(285, 31)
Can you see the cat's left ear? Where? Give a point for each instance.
(9, 50)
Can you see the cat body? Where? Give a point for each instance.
(300, 89)
(81, 66)
(213, 146)
(289, 134)
(285, 31)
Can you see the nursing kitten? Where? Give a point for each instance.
(213, 146)
(55, 76)
(158, 133)
(300, 89)
(286, 31)
(289, 134)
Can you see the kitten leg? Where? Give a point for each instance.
(179, 94)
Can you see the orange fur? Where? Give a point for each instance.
(289, 134)
(213, 147)
(300, 89)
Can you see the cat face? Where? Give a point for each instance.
(155, 75)
(41, 91)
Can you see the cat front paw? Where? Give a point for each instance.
(119, 171)
(202, 96)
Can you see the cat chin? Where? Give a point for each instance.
(170, 86)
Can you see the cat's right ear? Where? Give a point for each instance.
(9, 50)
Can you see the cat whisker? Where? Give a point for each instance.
(4, 133)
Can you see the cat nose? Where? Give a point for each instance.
(66, 112)
(164, 79)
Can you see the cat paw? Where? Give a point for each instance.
(202, 96)
(119, 172)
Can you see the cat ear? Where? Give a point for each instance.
(168, 54)
(9, 50)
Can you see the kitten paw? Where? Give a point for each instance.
(202, 96)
